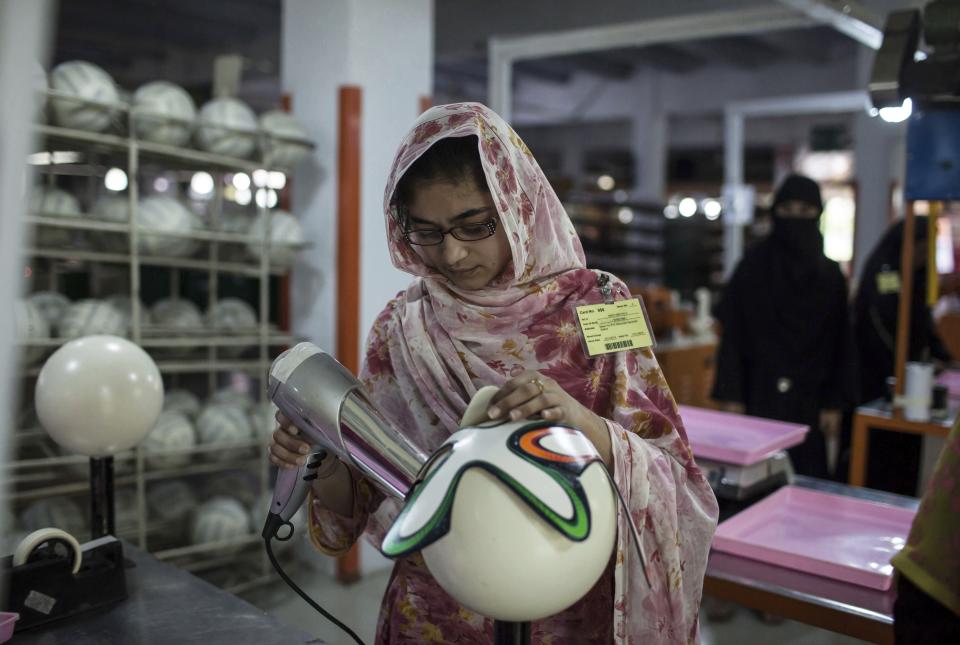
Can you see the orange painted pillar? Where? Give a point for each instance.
(348, 259)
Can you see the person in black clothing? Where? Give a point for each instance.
(894, 462)
(786, 350)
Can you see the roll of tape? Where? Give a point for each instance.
(41, 536)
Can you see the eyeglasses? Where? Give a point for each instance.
(464, 233)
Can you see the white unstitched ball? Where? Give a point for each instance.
(126, 514)
(49, 201)
(176, 318)
(124, 306)
(81, 80)
(243, 485)
(182, 401)
(90, 318)
(229, 396)
(52, 306)
(223, 425)
(158, 217)
(177, 315)
(227, 126)
(173, 433)
(232, 315)
(116, 210)
(220, 519)
(171, 501)
(285, 235)
(57, 512)
(287, 141)
(163, 113)
(264, 419)
(30, 326)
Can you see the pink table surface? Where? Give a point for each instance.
(951, 379)
(737, 438)
(826, 534)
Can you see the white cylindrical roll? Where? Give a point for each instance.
(917, 389)
(46, 536)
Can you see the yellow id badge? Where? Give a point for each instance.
(888, 282)
(614, 327)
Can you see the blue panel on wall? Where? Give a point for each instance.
(933, 155)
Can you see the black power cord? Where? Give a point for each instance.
(269, 533)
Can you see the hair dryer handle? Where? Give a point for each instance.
(290, 491)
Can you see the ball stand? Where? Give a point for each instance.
(508, 633)
(45, 589)
(102, 512)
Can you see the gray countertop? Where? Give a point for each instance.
(167, 606)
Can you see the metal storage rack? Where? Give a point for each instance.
(39, 475)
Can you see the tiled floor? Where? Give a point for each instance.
(357, 606)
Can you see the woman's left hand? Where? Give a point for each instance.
(531, 393)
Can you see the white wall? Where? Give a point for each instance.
(24, 26)
(387, 49)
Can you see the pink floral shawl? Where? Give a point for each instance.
(434, 346)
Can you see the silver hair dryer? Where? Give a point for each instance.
(332, 410)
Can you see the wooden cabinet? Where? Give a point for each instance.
(689, 372)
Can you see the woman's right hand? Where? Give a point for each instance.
(286, 450)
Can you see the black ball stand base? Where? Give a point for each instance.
(505, 633)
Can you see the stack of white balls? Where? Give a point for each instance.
(285, 235)
(85, 97)
(220, 519)
(30, 327)
(49, 201)
(221, 426)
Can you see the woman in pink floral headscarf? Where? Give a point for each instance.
(498, 271)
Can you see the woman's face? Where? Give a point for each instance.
(443, 205)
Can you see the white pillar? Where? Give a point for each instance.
(650, 137)
(24, 26)
(386, 48)
(878, 162)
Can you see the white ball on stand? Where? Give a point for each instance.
(99, 395)
(518, 521)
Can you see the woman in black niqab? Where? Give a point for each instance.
(786, 350)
